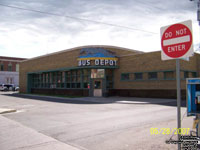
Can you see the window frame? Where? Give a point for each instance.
(1, 66)
(192, 73)
(186, 73)
(136, 77)
(150, 75)
(124, 79)
(10, 67)
(165, 76)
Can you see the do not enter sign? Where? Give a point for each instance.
(176, 41)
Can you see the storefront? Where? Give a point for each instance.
(92, 76)
(103, 71)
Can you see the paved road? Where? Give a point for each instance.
(97, 123)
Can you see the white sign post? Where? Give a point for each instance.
(176, 43)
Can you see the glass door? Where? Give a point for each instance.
(97, 88)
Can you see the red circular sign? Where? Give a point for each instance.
(176, 40)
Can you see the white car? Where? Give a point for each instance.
(16, 88)
(3, 87)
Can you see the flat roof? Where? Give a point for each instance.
(11, 59)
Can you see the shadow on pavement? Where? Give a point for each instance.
(95, 100)
(50, 99)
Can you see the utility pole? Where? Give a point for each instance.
(198, 10)
(178, 84)
(198, 19)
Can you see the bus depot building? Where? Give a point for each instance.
(105, 71)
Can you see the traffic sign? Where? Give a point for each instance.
(176, 41)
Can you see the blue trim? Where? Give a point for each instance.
(96, 55)
(189, 99)
(193, 81)
(193, 90)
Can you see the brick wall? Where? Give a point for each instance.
(129, 61)
(62, 59)
(148, 62)
(5, 64)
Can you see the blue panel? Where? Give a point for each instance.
(193, 90)
(95, 52)
(193, 81)
(189, 97)
(95, 55)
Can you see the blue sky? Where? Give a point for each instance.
(30, 34)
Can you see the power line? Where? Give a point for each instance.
(76, 18)
(148, 4)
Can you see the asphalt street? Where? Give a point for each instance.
(114, 123)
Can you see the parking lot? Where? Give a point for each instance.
(114, 123)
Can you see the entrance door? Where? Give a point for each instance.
(98, 88)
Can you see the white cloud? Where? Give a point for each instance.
(30, 34)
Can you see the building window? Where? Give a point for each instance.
(109, 78)
(68, 79)
(186, 74)
(169, 75)
(97, 73)
(125, 76)
(152, 75)
(1, 67)
(194, 74)
(138, 76)
(17, 67)
(86, 77)
(75, 79)
(9, 80)
(59, 79)
(9, 67)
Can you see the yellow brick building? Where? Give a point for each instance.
(105, 71)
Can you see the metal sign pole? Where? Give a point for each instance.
(178, 100)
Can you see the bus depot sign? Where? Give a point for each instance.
(176, 41)
(97, 57)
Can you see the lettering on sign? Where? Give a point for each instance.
(97, 57)
(98, 62)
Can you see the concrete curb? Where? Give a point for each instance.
(117, 100)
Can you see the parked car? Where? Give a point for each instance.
(8, 87)
(16, 88)
(3, 87)
(11, 87)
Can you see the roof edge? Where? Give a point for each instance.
(85, 46)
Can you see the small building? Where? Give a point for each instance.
(9, 70)
(105, 71)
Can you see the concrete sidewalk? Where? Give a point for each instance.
(125, 100)
(14, 136)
